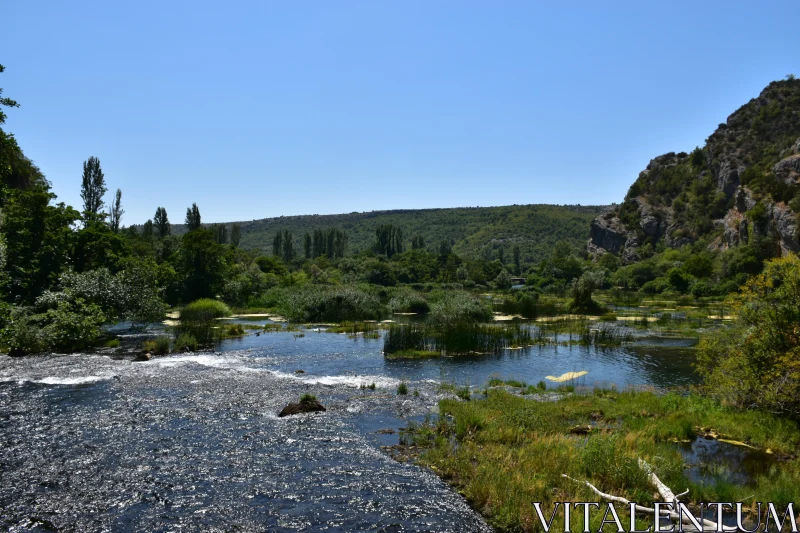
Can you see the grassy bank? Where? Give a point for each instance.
(504, 452)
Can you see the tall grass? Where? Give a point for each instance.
(204, 310)
(505, 452)
(316, 303)
(454, 338)
(407, 300)
(459, 307)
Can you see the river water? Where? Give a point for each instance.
(192, 442)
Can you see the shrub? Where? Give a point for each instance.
(402, 388)
(234, 330)
(186, 340)
(158, 346)
(204, 310)
(307, 398)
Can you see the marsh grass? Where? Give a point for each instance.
(186, 340)
(454, 338)
(505, 451)
(157, 346)
(204, 310)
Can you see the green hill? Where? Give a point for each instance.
(472, 231)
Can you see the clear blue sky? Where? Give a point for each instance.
(255, 108)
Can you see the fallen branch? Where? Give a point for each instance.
(667, 496)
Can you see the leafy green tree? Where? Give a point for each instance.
(8, 102)
(161, 223)
(115, 212)
(517, 259)
(40, 240)
(501, 255)
(96, 246)
(756, 364)
(389, 240)
(236, 235)
(418, 242)
(307, 245)
(201, 265)
(220, 233)
(193, 218)
(93, 188)
(147, 229)
(503, 279)
(582, 290)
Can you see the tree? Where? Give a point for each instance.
(193, 218)
(389, 240)
(93, 187)
(201, 265)
(517, 259)
(39, 241)
(8, 102)
(115, 212)
(755, 364)
(220, 233)
(418, 242)
(161, 223)
(236, 235)
(307, 245)
(147, 229)
(501, 255)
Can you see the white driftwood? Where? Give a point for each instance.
(666, 495)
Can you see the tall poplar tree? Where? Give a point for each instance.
(161, 223)
(236, 235)
(193, 217)
(115, 212)
(93, 187)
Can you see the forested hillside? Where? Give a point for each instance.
(471, 231)
(707, 220)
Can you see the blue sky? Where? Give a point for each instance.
(255, 109)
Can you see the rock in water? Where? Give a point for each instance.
(143, 357)
(309, 406)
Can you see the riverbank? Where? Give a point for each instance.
(504, 451)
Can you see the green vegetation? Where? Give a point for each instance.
(452, 338)
(158, 346)
(307, 398)
(186, 340)
(755, 363)
(402, 388)
(204, 310)
(474, 232)
(504, 452)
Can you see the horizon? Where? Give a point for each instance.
(258, 111)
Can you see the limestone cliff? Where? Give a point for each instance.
(743, 184)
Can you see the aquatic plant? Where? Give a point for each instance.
(402, 388)
(307, 397)
(454, 338)
(158, 346)
(459, 306)
(315, 303)
(186, 340)
(407, 300)
(204, 310)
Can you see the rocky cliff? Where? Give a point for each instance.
(744, 184)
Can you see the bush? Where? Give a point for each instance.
(158, 346)
(308, 398)
(186, 340)
(402, 388)
(204, 310)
